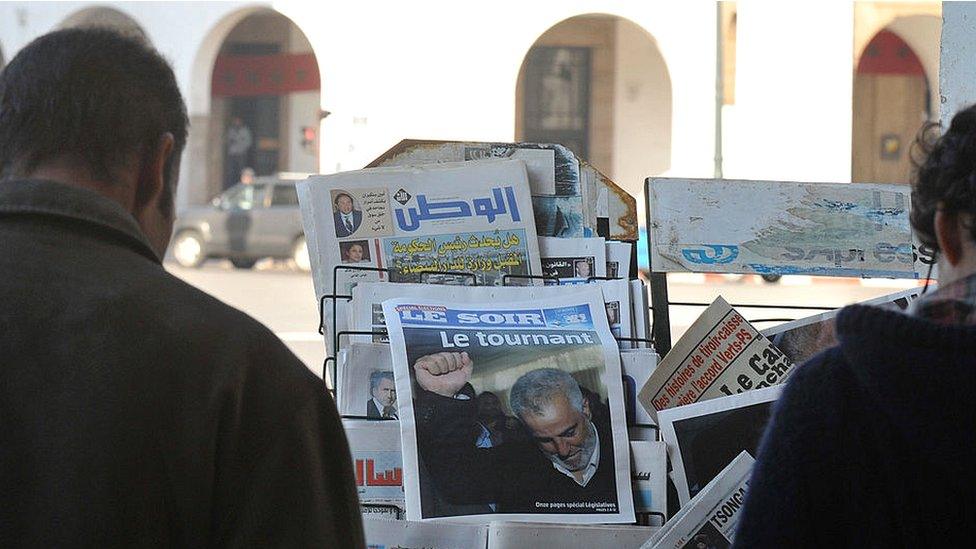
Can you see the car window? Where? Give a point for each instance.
(244, 197)
(284, 195)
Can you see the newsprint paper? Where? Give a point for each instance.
(367, 297)
(365, 383)
(709, 520)
(473, 217)
(508, 535)
(465, 372)
(400, 534)
(377, 461)
(721, 354)
(704, 437)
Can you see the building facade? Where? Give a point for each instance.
(797, 91)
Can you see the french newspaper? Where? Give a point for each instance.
(721, 354)
(710, 518)
(511, 411)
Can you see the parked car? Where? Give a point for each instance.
(245, 223)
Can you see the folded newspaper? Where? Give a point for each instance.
(509, 535)
(704, 437)
(649, 460)
(709, 520)
(377, 462)
(418, 224)
(721, 354)
(365, 385)
(572, 260)
(511, 411)
(401, 534)
(802, 339)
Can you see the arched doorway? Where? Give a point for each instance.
(599, 85)
(264, 101)
(892, 101)
(108, 18)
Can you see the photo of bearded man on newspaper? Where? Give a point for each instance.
(552, 451)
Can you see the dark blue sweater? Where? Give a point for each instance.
(873, 442)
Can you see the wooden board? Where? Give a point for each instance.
(778, 227)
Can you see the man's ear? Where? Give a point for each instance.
(152, 176)
(586, 408)
(948, 233)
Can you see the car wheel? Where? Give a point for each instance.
(243, 262)
(299, 255)
(771, 278)
(188, 249)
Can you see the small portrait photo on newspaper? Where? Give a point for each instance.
(355, 251)
(347, 213)
(516, 421)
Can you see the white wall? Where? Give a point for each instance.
(303, 110)
(642, 109)
(794, 84)
(957, 77)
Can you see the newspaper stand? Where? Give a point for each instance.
(624, 216)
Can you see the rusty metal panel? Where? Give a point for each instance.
(781, 227)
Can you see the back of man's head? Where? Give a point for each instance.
(92, 98)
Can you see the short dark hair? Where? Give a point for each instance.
(92, 94)
(340, 195)
(945, 172)
(376, 376)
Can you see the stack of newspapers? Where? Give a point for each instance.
(493, 364)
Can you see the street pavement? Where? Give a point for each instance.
(283, 299)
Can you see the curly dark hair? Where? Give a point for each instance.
(945, 174)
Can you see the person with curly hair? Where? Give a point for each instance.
(872, 442)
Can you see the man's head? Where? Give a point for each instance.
(382, 387)
(582, 268)
(551, 405)
(343, 201)
(92, 108)
(247, 176)
(944, 195)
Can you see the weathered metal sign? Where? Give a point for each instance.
(781, 227)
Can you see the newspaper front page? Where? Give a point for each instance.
(640, 304)
(472, 217)
(618, 259)
(802, 339)
(649, 460)
(709, 520)
(512, 411)
(637, 365)
(573, 260)
(367, 297)
(721, 354)
(377, 461)
(704, 437)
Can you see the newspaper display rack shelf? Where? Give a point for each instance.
(623, 215)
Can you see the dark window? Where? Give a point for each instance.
(557, 97)
(284, 195)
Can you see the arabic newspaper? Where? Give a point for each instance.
(637, 366)
(573, 260)
(704, 437)
(802, 339)
(474, 217)
(720, 354)
(510, 535)
(377, 461)
(649, 460)
(366, 309)
(468, 373)
(366, 386)
(618, 259)
(401, 534)
(553, 172)
(709, 520)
